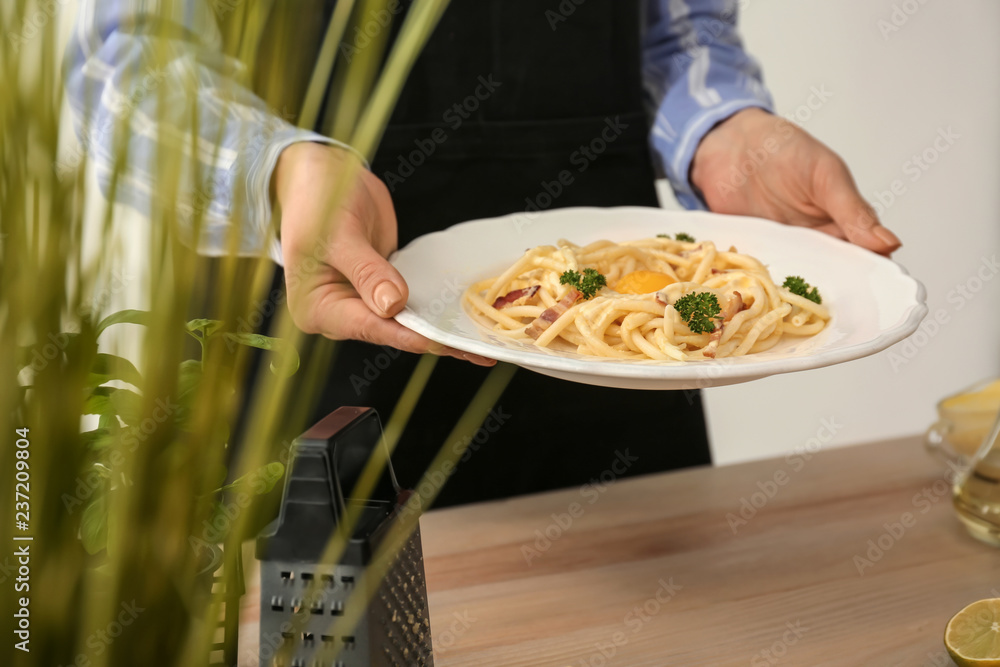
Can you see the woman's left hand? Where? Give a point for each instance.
(755, 163)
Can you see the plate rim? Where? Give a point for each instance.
(674, 371)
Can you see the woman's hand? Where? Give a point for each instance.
(338, 281)
(754, 163)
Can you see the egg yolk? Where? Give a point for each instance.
(643, 282)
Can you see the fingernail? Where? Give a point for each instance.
(386, 296)
(886, 236)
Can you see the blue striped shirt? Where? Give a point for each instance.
(161, 66)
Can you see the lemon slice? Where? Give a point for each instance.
(973, 635)
(970, 415)
(985, 398)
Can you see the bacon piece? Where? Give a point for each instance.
(688, 253)
(733, 306)
(713, 343)
(513, 296)
(550, 315)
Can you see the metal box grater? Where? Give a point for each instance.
(395, 630)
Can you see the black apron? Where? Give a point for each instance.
(507, 99)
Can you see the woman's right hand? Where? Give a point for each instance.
(338, 281)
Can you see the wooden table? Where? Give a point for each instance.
(848, 557)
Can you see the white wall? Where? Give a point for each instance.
(890, 95)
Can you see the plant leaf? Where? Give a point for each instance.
(98, 404)
(254, 340)
(127, 405)
(188, 379)
(206, 326)
(258, 482)
(109, 423)
(94, 524)
(288, 357)
(96, 439)
(110, 367)
(124, 317)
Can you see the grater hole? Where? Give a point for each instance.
(287, 576)
(317, 607)
(327, 580)
(348, 581)
(296, 606)
(307, 638)
(337, 608)
(348, 641)
(277, 604)
(328, 639)
(287, 635)
(307, 576)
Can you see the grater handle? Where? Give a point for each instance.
(326, 463)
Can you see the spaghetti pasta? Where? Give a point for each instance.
(636, 315)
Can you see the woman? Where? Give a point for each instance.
(519, 90)
(505, 101)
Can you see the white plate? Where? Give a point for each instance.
(873, 301)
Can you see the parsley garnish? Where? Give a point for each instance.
(587, 284)
(797, 285)
(699, 310)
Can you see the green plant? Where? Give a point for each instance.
(110, 395)
(129, 541)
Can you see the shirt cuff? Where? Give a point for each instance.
(258, 183)
(678, 169)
